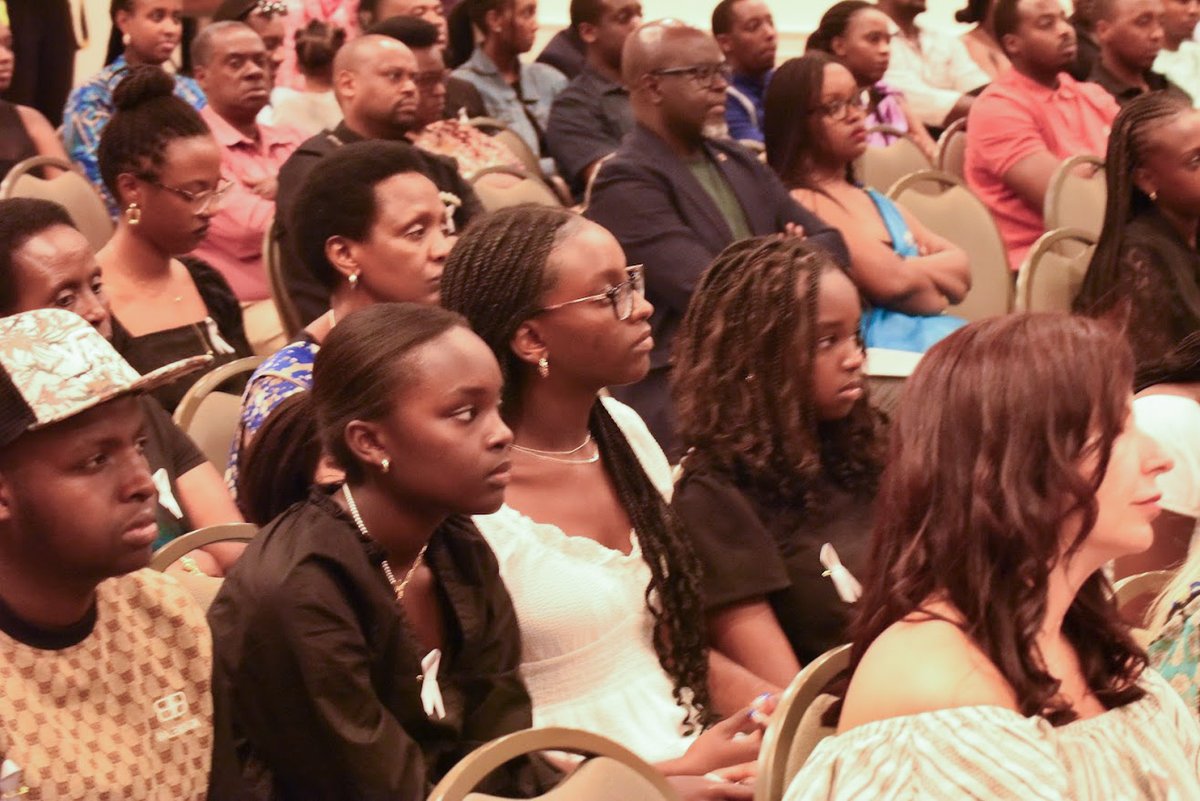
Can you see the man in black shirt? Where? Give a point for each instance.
(1130, 35)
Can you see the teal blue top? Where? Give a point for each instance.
(1175, 653)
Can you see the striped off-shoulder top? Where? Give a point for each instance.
(1149, 749)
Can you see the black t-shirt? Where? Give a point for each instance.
(171, 453)
(750, 549)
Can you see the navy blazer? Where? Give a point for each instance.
(663, 218)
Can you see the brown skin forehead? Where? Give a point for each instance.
(658, 45)
(360, 52)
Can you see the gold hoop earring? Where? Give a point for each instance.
(353, 279)
(544, 367)
(386, 464)
(133, 213)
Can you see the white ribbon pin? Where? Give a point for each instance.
(431, 693)
(847, 586)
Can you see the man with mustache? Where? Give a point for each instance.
(232, 66)
(1030, 119)
(1130, 33)
(105, 667)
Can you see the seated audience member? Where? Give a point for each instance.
(1145, 272)
(981, 40)
(374, 78)
(1167, 407)
(231, 65)
(1087, 50)
(371, 229)
(745, 32)
(989, 652)
(471, 148)
(1179, 59)
(585, 536)
(784, 451)
(907, 274)
(1130, 34)
(365, 642)
(858, 35)
(932, 68)
(675, 199)
(46, 37)
(266, 18)
(566, 52)
(314, 108)
(161, 163)
(150, 31)
(105, 668)
(46, 263)
(24, 131)
(462, 98)
(592, 115)
(1030, 119)
(515, 93)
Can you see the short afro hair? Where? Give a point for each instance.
(21, 219)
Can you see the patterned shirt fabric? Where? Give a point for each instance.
(120, 709)
(234, 241)
(525, 108)
(1175, 652)
(284, 373)
(887, 111)
(470, 147)
(88, 110)
(1148, 750)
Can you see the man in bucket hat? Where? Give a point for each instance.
(105, 668)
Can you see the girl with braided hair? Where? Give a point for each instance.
(784, 450)
(605, 585)
(1145, 272)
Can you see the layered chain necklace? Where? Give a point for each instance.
(558, 456)
(398, 587)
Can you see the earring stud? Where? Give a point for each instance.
(544, 367)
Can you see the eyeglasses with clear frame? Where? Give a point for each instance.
(620, 296)
(200, 201)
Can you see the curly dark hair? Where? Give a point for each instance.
(982, 476)
(742, 379)
(148, 117)
(496, 276)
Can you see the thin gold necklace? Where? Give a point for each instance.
(556, 456)
(397, 587)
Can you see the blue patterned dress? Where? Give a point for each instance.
(1175, 653)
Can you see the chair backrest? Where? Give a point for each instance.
(1076, 195)
(1054, 269)
(591, 182)
(184, 544)
(1136, 593)
(947, 207)
(880, 167)
(210, 417)
(502, 186)
(69, 189)
(952, 148)
(613, 773)
(792, 732)
(522, 151)
(273, 263)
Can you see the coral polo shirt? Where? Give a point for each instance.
(1016, 117)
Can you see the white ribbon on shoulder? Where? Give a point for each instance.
(847, 586)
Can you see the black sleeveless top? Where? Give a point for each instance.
(15, 144)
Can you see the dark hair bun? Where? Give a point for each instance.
(140, 85)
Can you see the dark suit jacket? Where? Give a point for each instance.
(664, 219)
(310, 295)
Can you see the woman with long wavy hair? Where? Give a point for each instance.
(989, 659)
(784, 450)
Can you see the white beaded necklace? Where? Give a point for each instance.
(397, 587)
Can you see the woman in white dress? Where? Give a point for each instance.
(602, 578)
(989, 660)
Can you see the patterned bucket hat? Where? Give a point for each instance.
(55, 365)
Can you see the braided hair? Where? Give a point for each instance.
(743, 374)
(496, 276)
(149, 117)
(1102, 289)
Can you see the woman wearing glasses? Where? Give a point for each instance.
(163, 166)
(908, 274)
(605, 586)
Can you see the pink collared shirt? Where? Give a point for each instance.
(1016, 117)
(235, 234)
